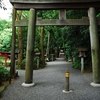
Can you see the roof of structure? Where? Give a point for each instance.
(52, 1)
(54, 4)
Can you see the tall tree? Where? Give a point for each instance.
(20, 42)
(47, 50)
(41, 46)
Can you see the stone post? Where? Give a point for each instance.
(94, 38)
(52, 57)
(38, 61)
(62, 14)
(82, 64)
(30, 49)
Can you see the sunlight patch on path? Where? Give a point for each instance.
(58, 61)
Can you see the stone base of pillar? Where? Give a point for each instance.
(64, 91)
(28, 85)
(94, 84)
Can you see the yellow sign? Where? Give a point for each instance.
(67, 74)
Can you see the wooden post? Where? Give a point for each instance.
(94, 47)
(12, 68)
(30, 49)
(6, 62)
(62, 14)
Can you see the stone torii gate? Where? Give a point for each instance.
(61, 5)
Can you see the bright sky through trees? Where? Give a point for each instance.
(5, 14)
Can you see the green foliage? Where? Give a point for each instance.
(75, 14)
(48, 14)
(98, 15)
(5, 35)
(5, 25)
(77, 63)
(5, 40)
(5, 73)
(23, 63)
(68, 38)
(34, 62)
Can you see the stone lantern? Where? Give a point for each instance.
(38, 58)
(82, 56)
(73, 57)
(82, 52)
(52, 57)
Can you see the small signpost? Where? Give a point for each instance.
(67, 75)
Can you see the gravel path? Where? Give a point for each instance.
(50, 82)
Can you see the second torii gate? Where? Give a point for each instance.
(34, 5)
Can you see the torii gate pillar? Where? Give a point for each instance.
(30, 49)
(12, 68)
(94, 38)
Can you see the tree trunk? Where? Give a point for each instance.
(20, 46)
(47, 51)
(20, 43)
(41, 45)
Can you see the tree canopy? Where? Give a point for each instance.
(68, 38)
(2, 5)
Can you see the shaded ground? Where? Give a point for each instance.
(50, 82)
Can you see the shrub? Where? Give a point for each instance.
(4, 74)
(23, 64)
(77, 64)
